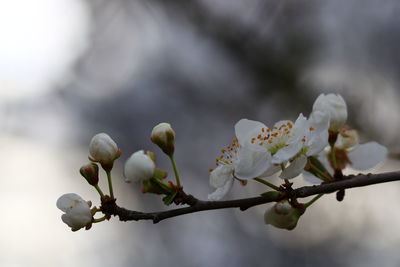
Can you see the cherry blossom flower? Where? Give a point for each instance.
(236, 162)
(77, 211)
(285, 142)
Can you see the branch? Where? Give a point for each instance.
(109, 207)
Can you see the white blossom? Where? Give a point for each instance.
(77, 211)
(138, 167)
(103, 149)
(335, 106)
(236, 162)
(285, 142)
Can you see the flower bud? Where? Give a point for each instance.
(283, 215)
(90, 172)
(164, 136)
(77, 211)
(335, 106)
(104, 150)
(347, 139)
(139, 167)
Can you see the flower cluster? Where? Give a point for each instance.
(319, 147)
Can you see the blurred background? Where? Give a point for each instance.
(72, 68)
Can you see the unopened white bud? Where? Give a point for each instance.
(77, 211)
(347, 139)
(138, 167)
(164, 136)
(335, 106)
(104, 150)
(283, 215)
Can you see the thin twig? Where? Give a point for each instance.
(195, 205)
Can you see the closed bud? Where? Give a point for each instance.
(335, 106)
(164, 136)
(283, 215)
(104, 150)
(139, 167)
(347, 139)
(90, 172)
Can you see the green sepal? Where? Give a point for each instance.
(160, 174)
(315, 167)
(161, 186)
(170, 198)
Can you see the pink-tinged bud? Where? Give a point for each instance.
(139, 167)
(104, 150)
(90, 172)
(335, 106)
(164, 136)
(283, 215)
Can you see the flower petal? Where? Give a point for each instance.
(68, 201)
(295, 168)
(367, 156)
(300, 128)
(271, 171)
(286, 153)
(245, 129)
(317, 142)
(221, 191)
(251, 163)
(221, 175)
(319, 120)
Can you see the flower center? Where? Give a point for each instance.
(229, 154)
(274, 139)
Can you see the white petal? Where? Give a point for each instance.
(251, 163)
(221, 175)
(317, 142)
(245, 129)
(319, 120)
(68, 201)
(300, 128)
(311, 178)
(271, 171)
(295, 168)
(367, 156)
(286, 153)
(221, 191)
